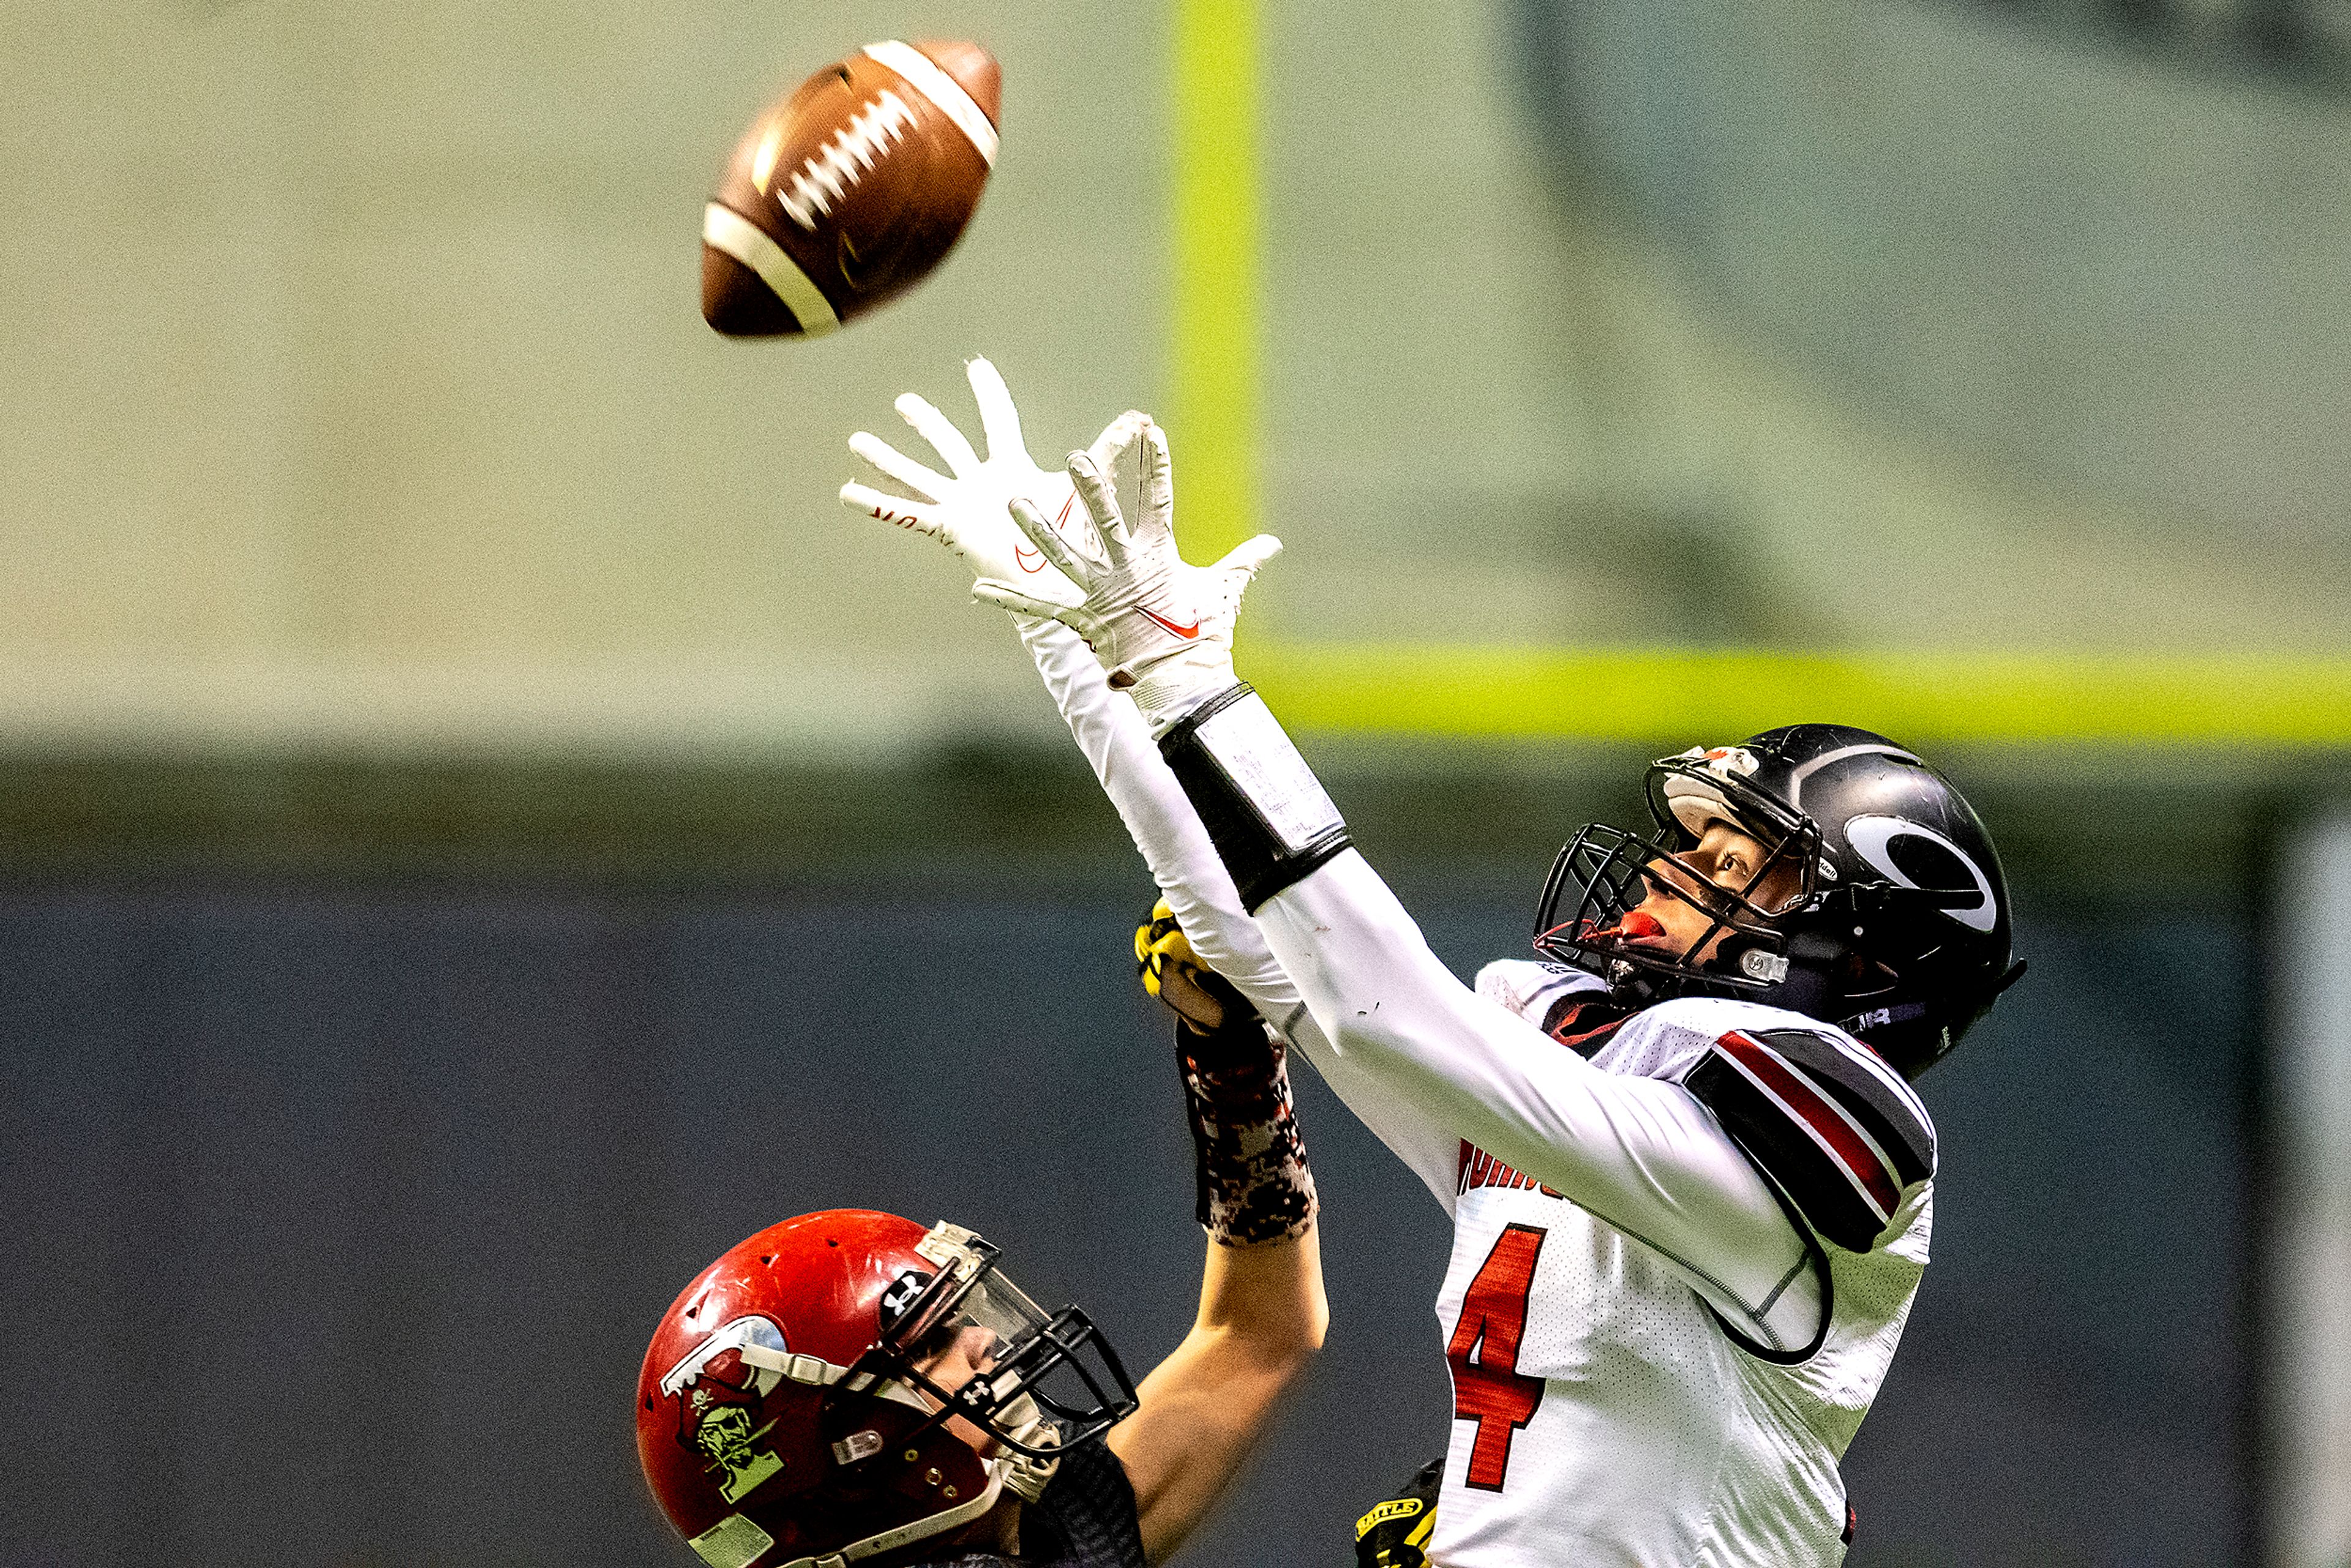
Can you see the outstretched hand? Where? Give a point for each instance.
(1159, 625)
(965, 508)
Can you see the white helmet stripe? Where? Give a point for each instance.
(1872, 748)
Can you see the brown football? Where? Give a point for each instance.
(846, 192)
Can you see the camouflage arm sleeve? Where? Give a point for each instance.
(1248, 1157)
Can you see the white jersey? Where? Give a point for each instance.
(1680, 1269)
(1629, 1425)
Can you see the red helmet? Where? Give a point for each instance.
(786, 1413)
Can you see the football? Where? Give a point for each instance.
(848, 191)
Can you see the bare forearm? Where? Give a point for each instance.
(1270, 1295)
(1262, 1310)
(1262, 1317)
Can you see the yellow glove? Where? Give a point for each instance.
(1174, 973)
(1395, 1533)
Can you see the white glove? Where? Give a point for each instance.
(1160, 626)
(967, 513)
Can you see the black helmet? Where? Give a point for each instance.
(1899, 932)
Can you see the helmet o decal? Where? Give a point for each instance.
(1872, 838)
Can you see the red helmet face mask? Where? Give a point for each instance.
(846, 1383)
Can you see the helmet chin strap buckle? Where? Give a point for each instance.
(1026, 1475)
(1803, 976)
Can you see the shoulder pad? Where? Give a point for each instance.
(1528, 989)
(1838, 1130)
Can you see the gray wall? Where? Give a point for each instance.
(2062, 256)
(336, 1218)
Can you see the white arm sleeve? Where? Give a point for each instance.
(1168, 831)
(1639, 1152)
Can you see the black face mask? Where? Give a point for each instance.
(1033, 1363)
(1590, 915)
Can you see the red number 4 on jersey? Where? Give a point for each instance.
(1484, 1352)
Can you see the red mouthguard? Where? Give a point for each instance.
(1632, 927)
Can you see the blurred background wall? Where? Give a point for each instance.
(470, 849)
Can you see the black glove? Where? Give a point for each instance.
(1395, 1533)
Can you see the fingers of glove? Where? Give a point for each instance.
(1155, 924)
(1247, 556)
(1049, 542)
(1070, 521)
(1000, 420)
(1161, 921)
(1172, 946)
(1096, 490)
(1116, 437)
(1159, 482)
(940, 432)
(1146, 961)
(1123, 677)
(897, 465)
(895, 510)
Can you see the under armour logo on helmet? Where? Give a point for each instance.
(903, 1294)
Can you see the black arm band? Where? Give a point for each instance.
(1270, 818)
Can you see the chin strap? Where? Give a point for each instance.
(812, 1370)
(1017, 1473)
(736, 1541)
(961, 1514)
(1023, 1475)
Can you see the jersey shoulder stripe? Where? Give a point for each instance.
(1876, 1096)
(1839, 1131)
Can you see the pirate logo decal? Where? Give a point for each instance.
(718, 1399)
